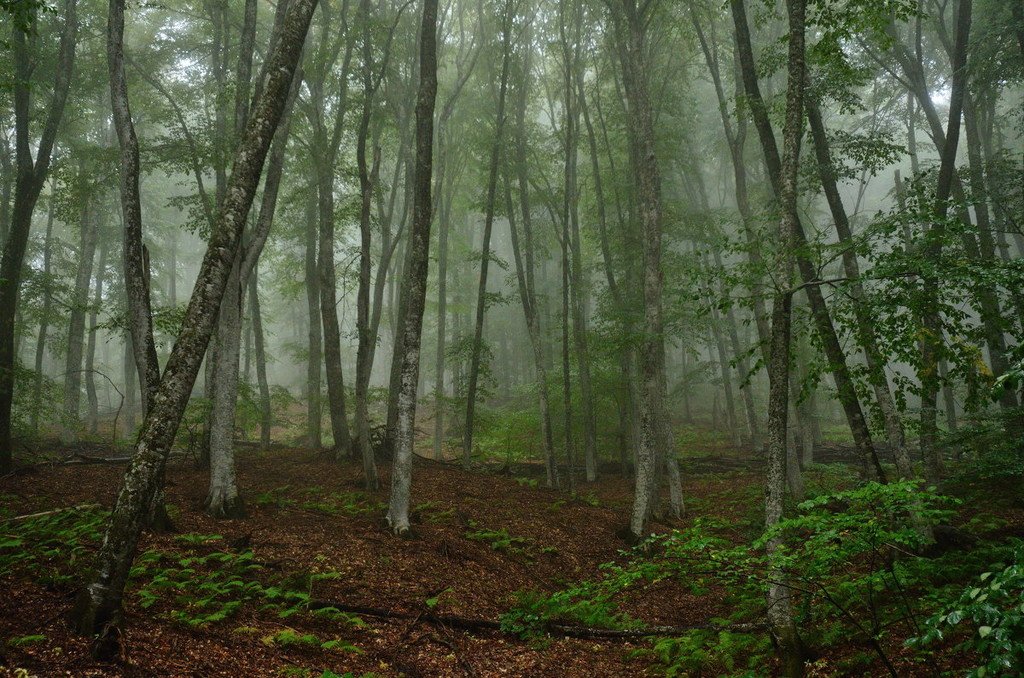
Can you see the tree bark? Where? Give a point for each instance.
(315, 352)
(98, 609)
(631, 24)
(865, 331)
(779, 608)
(414, 284)
(266, 413)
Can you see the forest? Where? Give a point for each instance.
(351, 338)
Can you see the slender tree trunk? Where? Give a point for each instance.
(779, 452)
(223, 499)
(865, 331)
(313, 363)
(266, 413)
(332, 331)
(93, 418)
(442, 318)
(367, 180)
(76, 326)
(98, 609)
(31, 175)
(485, 254)
(932, 332)
(846, 391)
(44, 320)
(414, 284)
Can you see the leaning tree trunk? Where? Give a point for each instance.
(865, 331)
(846, 391)
(98, 609)
(414, 283)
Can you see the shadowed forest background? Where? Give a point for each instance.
(527, 337)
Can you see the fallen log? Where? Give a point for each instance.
(553, 628)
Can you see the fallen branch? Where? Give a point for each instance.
(79, 458)
(79, 507)
(554, 628)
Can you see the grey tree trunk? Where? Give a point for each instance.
(779, 451)
(485, 254)
(631, 24)
(864, 324)
(98, 609)
(79, 302)
(833, 350)
(569, 28)
(313, 363)
(414, 284)
(259, 350)
(223, 499)
(44, 321)
(31, 175)
(93, 417)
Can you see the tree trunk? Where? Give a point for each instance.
(266, 413)
(79, 303)
(846, 391)
(414, 284)
(93, 417)
(223, 499)
(31, 175)
(367, 180)
(779, 452)
(313, 363)
(98, 609)
(865, 331)
(485, 254)
(44, 321)
(631, 26)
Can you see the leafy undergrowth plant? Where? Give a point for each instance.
(993, 606)
(320, 501)
(53, 547)
(852, 562)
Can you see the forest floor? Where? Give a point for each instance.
(312, 533)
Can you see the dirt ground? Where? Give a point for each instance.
(454, 566)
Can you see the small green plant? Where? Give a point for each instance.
(994, 608)
(499, 540)
(22, 641)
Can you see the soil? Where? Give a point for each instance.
(443, 571)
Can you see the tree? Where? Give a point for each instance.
(414, 285)
(31, 175)
(97, 611)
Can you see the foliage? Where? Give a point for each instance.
(994, 608)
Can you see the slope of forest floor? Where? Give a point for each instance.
(313, 534)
